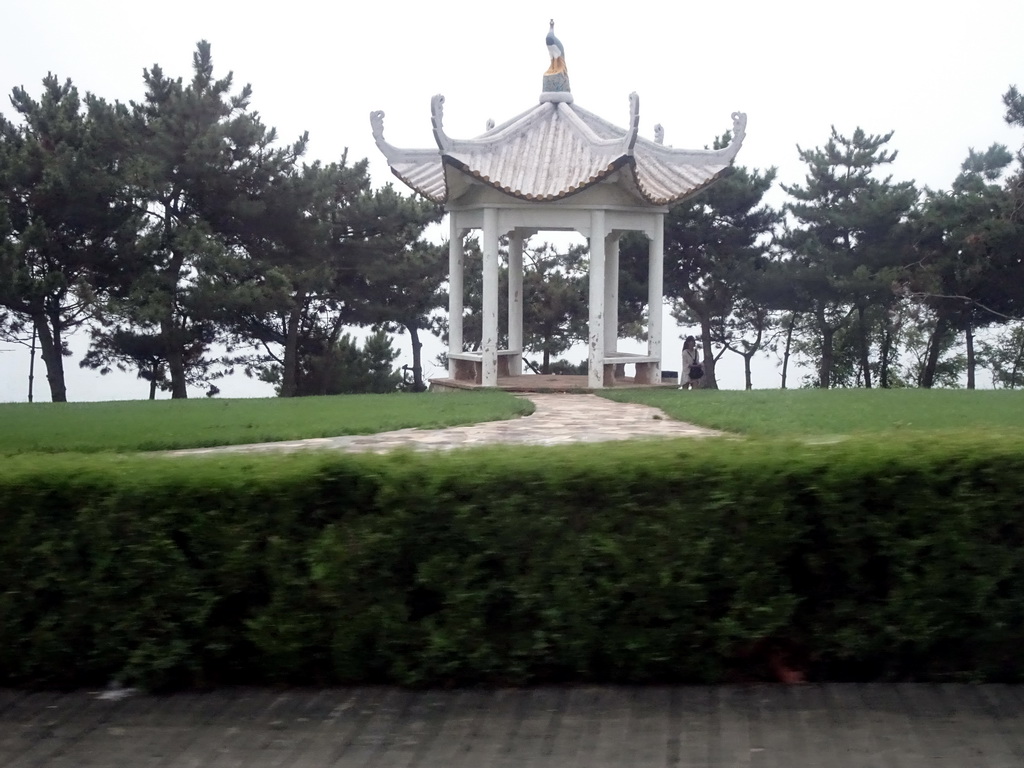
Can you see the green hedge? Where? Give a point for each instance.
(659, 561)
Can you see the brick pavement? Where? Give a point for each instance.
(772, 726)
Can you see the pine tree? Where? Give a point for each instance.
(204, 169)
(555, 301)
(848, 243)
(65, 227)
(1005, 357)
(401, 276)
(969, 271)
(122, 348)
(337, 255)
(715, 245)
(281, 299)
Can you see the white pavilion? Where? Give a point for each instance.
(555, 167)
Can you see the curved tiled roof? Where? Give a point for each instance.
(554, 150)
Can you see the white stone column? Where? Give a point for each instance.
(489, 336)
(456, 267)
(515, 302)
(595, 378)
(611, 295)
(655, 294)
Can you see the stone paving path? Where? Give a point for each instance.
(804, 726)
(558, 419)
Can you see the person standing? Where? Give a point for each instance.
(692, 371)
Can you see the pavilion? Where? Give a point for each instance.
(555, 167)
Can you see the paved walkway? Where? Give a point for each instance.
(807, 726)
(558, 419)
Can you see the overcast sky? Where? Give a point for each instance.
(934, 73)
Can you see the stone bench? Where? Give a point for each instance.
(469, 366)
(646, 368)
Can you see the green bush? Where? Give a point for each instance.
(630, 562)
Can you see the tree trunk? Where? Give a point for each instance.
(152, 385)
(749, 354)
(172, 344)
(545, 361)
(934, 349)
(175, 359)
(825, 367)
(32, 363)
(969, 334)
(708, 381)
(789, 346)
(883, 365)
(328, 350)
(865, 356)
(50, 350)
(1017, 360)
(290, 363)
(417, 365)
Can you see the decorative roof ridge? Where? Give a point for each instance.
(392, 153)
(627, 141)
(725, 154)
(496, 130)
(509, 129)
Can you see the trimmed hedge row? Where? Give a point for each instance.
(659, 561)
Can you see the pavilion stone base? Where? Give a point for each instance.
(648, 375)
(527, 383)
(542, 383)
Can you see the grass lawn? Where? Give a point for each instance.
(143, 425)
(776, 413)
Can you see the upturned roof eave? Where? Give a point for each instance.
(739, 131)
(426, 161)
(684, 196)
(739, 124)
(434, 197)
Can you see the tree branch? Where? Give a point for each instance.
(920, 295)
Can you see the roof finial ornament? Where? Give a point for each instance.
(556, 49)
(556, 79)
(659, 134)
